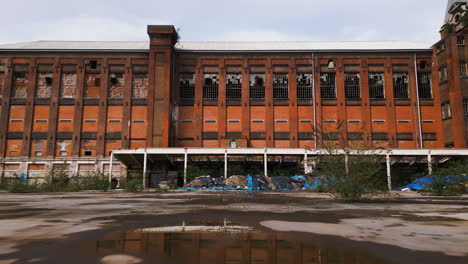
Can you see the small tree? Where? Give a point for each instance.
(349, 175)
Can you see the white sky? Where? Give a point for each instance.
(222, 20)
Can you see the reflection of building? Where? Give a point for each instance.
(78, 101)
(205, 248)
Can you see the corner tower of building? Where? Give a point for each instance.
(450, 58)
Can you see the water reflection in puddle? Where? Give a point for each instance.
(206, 244)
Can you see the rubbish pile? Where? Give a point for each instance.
(256, 182)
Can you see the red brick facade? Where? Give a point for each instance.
(84, 104)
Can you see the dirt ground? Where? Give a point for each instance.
(38, 228)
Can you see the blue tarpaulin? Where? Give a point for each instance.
(423, 182)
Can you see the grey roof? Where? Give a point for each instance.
(143, 46)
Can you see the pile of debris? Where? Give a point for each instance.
(256, 182)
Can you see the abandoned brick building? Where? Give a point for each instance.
(69, 104)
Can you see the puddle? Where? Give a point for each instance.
(212, 242)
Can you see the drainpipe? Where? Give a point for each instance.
(419, 104)
(314, 102)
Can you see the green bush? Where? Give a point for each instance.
(445, 185)
(19, 186)
(362, 180)
(132, 185)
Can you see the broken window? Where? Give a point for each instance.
(443, 74)
(20, 84)
(425, 85)
(463, 72)
(233, 86)
(327, 85)
(93, 65)
(304, 85)
(187, 86)
(446, 111)
(210, 86)
(376, 85)
(280, 86)
(43, 86)
(116, 86)
(400, 85)
(461, 40)
(68, 85)
(352, 86)
(257, 86)
(92, 85)
(440, 48)
(140, 86)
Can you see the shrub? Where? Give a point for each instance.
(131, 183)
(360, 180)
(445, 185)
(19, 186)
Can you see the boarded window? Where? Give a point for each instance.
(187, 86)
(405, 136)
(68, 85)
(116, 86)
(210, 86)
(376, 85)
(92, 85)
(257, 86)
(352, 86)
(327, 85)
(425, 85)
(400, 85)
(234, 86)
(140, 86)
(20, 84)
(280, 86)
(304, 86)
(429, 136)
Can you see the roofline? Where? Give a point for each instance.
(220, 51)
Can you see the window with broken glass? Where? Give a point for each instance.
(376, 85)
(280, 86)
(257, 86)
(400, 85)
(443, 74)
(446, 111)
(463, 72)
(210, 86)
(20, 84)
(140, 86)
(352, 85)
(68, 85)
(44, 85)
(187, 86)
(425, 85)
(116, 86)
(327, 85)
(234, 86)
(304, 86)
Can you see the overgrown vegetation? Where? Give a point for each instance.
(58, 182)
(350, 178)
(448, 178)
